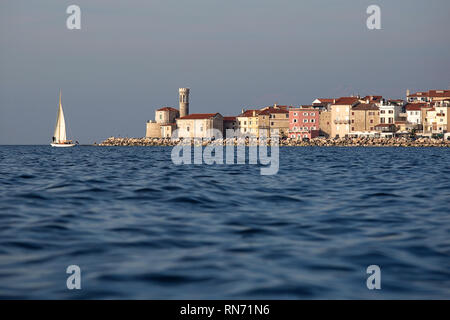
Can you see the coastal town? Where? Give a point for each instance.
(421, 119)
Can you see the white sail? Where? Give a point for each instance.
(60, 128)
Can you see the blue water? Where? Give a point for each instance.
(140, 227)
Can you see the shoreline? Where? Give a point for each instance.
(287, 142)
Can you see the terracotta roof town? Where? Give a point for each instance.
(426, 113)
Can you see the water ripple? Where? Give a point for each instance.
(140, 227)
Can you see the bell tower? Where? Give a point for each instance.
(184, 101)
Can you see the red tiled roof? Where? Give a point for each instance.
(249, 113)
(273, 110)
(432, 93)
(229, 118)
(346, 100)
(167, 109)
(439, 93)
(326, 100)
(415, 106)
(199, 116)
(364, 106)
(419, 94)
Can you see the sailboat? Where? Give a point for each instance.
(59, 137)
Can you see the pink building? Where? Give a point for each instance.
(303, 122)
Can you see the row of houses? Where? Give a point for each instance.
(425, 113)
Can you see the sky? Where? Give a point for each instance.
(130, 57)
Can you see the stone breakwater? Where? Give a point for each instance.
(287, 142)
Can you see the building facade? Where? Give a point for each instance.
(389, 112)
(304, 122)
(364, 118)
(442, 117)
(340, 116)
(278, 120)
(427, 96)
(229, 123)
(163, 116)
(166, 115)
(414, 114)
(198, 125)
(325, 123)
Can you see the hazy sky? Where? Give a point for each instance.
(130, 57)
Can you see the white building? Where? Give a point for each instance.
(199, 125)
(414, 113)
(389, 112)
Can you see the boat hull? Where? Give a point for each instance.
(62, 145)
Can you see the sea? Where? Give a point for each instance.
(139, 227)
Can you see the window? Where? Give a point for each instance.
(313, 128)
(382, 111)
(250, 123)
(371, 128)
(353, 120)
(353, 113)
(295, 113)
(245, 123)
(201, 129)
(312, 114)
(160, 116)
(391, 111)
(312, 120)
(187, 129)
(305, 120)
(382, 120)
(371, 120)
(305, 136)
(287, 115)
(391, 120)
(295, 120)
(353, 128)
(271, 123)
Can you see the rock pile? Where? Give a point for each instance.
(288, 142)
